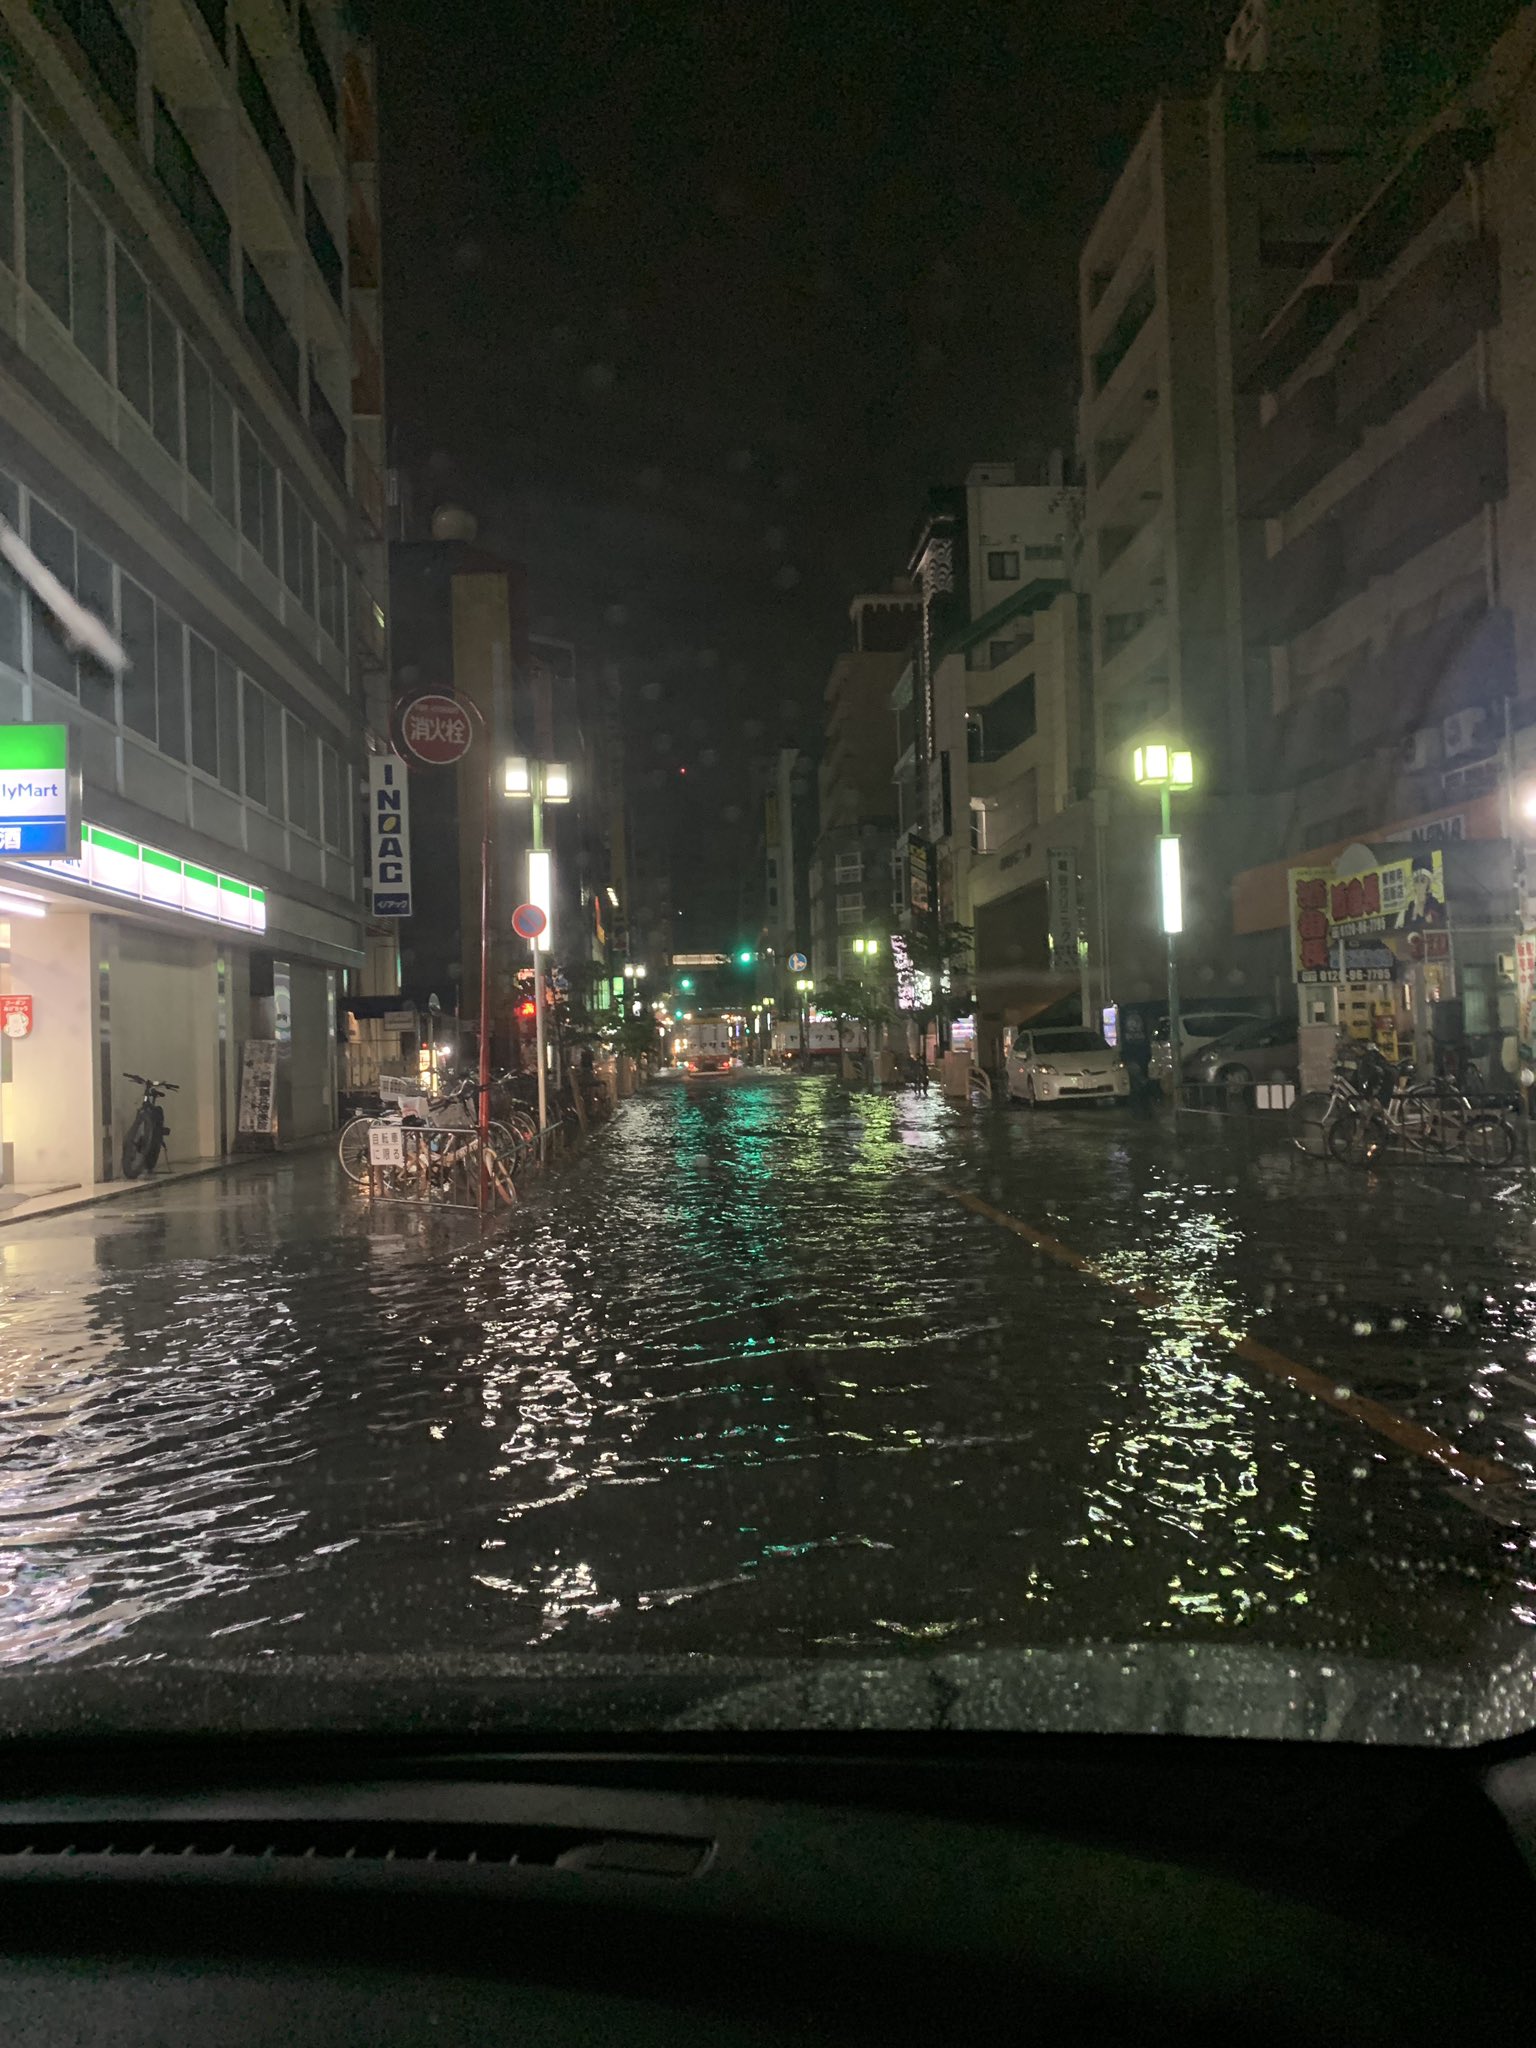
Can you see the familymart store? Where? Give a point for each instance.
(130, 959)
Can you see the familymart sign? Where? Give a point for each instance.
(39, 793)
(160, 881)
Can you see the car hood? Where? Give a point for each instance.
(1215, 1690)
(1079, 1062)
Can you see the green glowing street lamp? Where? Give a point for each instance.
(1165, 768)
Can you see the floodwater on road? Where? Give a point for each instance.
(753, 1378)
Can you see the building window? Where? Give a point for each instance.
(253, 722)
(224, 492)
(108, 49)
(270, 330)
(7, 184)
(1003, 724)
(189, 190)
(132, 332)
(850, 867)
(303, 782)
(46, 218)
(322, 245)
(88, 280)
(258, 500)
(138, 637)
(330, 797)
(171, 683)
(1003, 565)
(1043, 553)
(165, 378)
(54, 545)
(325, 424)
(263, 115)
(227, 689)
(314, 63)
(96, 588)
(203, 692)
(197, 387)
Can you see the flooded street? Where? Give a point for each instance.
(779, 1369)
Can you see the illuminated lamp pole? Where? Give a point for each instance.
(541, 782)
(1165, 769)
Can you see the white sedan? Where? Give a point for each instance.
(1066, 1064)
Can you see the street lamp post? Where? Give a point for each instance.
(803, 990)
(1165, 769)
(542, 782)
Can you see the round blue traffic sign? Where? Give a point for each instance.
(798, 963)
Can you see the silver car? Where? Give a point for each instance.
(1263, 1049)
(1065, 1064)
(1197, 1028)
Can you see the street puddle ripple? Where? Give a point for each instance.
(738, 1381)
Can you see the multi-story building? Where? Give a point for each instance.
(853, 859)
(190, 421)
(991, 715)
(1225, 204)
(1387, 487)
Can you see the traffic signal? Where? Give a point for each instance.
(745, 957)
(686, 984)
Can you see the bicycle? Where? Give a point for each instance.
(1429, 1115)
(149, 1130)
(452, 1109)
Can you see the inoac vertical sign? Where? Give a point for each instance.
(389, 836)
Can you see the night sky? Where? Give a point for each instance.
(689, 303)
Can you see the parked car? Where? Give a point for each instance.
(1261, 1049)
(1066, 1064)
(1198, 1027)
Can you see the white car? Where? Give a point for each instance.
(1066, 1064)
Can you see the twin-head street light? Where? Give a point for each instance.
(868, 948)
(1166, 768)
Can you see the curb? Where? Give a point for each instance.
(120, 1191)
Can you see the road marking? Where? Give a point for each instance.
(1398, 1429)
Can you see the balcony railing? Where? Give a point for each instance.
(264, 118)
(189, 191)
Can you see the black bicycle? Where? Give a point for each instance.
(148, 1131)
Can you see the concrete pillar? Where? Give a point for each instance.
(56, 1118)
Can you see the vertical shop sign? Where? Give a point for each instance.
(389, 836)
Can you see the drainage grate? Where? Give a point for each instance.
(356, 1842)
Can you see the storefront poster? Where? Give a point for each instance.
(1363, 926)
(258, 1088)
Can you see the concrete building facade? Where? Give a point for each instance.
(190, 423)
(1225, 204)
(1387, 490)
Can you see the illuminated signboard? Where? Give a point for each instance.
(161, 881)
(39, 793)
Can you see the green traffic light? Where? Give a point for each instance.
(686, 983)
(745, 957)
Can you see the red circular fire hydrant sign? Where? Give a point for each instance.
(16, 1016)
(437, 730)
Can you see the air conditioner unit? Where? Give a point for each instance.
(1466, 732)
(1421, 749)
(1506, 965)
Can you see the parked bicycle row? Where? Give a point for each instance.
(1375, 1105)
(431, 1149)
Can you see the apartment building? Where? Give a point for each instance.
(855, 871)
(191, 410)
(1387, 486)
(1227, 201)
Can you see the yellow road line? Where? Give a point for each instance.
(1398, 1429)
